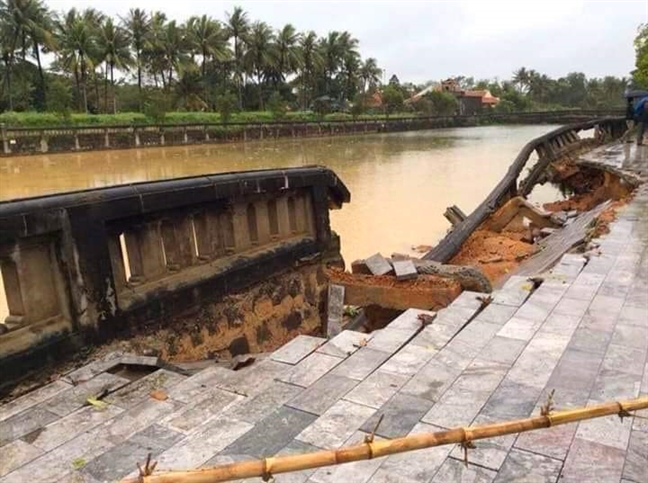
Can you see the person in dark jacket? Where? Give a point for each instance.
(641, 116)
(630, 120)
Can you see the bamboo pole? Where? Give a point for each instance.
(374, 449)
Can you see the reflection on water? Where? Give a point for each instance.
(400, 183)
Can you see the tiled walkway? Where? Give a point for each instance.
(583, 332)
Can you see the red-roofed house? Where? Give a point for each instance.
(470, 102)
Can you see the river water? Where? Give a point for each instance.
(400, 183)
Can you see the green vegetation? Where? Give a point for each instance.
(144, 67)
(640, 74)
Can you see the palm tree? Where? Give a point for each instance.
(370, 75)
(287, 58)
(521, 78)
(7, 54)
(174, 48)
(114, 50)
(153, 54)
(138, 25)
(311, 63)
(238, 26)
(76, 44)
(206, 36)
(331, 54)
(350, 63)
(259, 55)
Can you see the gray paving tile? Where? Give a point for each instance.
(464, 399)
(601, 464)
(361, 364)
(390, 340)
(16, 454)
(24, 423)
(322, 394)
(589, 340)
(553, 442)
(469, 299)
(87, 372)
(511, 400)
(409, 320)
(75, 397)
(613, 385)
(496, 313)
(213, 403)
(298, 348)
(456, 471)
(119, 461)
(570, 306)
(630, 336)
(521, 466)
(258, 407)
(400, 414)
(558, 324)
(202, 444)
(336, 425)
(409, 360)
(502, 349)
(637, 316)
(32, 398)
(514, 292)
(254, 379)
(518, 328)
(624, 359)
(432, 380)
(535, 310)
(55, 465)
(377, 389)
(577, 370)
(610, 431)
(415, 466)
(355, 472)
(310, 369)
(137, 391)
(489, 453)
(73, 424)
(344, 344)
(272, 433)
(636, 464)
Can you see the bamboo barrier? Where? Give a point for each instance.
(464, 436)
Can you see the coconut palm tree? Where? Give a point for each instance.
(113, 43)
(137, 23)
(77, 42)
(331, 52)
(174, 48)
(238, 26)
(286, 53)
(259, 56)
(370, 75)
(153, 54)
(311, 63)
(350, 64)
(206, 36)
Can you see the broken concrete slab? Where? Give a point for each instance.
(405, 270)
(297, 349)
(378, 265)
(345, 343)
(335, 310)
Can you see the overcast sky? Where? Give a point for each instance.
(431, 40)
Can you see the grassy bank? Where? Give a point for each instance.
(49, 119)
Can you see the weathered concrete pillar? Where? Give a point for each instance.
(5, 140)
(227, 231)
(252, 223)
(273, 219)
(282, 217)
(177, 237)
(77, 146)
(309, 217)
(144, 248)
(262, 221)
(117, 263)
(138, 143)
(44, 146)
(292, 215)
(162, 137)
(245, 134)
(106, 139)
(30, 286)
(185, 137)
(240, 227)
(206, 133)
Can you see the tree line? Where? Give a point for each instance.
(99, 60)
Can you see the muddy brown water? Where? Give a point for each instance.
(400, 183)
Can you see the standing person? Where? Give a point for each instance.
(630, 120)
(641, 115)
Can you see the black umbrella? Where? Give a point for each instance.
(635, 94)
